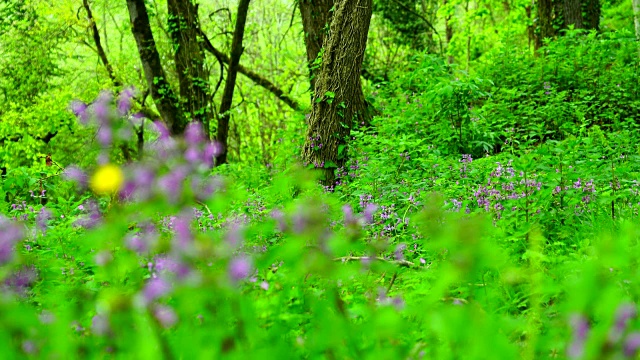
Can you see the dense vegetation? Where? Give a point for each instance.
(345, 179)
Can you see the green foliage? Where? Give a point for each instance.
(489, 212)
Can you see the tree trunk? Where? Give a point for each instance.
(96, 39)
(573, 14)
(338, 100)
(189, 59)
(636, 17)
(230, 84)
(161, 92)
(545, 20)
(316, 18)
(592, 11)
(448, 34)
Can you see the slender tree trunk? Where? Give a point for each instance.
(573, 14)
(531, 30)
(316, 19)
(230, 84)
(96, 39)
(189, 60)
(338, 100)
(163, 96)
(448, 33)
(468, 21)
(636, 17)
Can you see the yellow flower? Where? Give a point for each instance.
(107, 179)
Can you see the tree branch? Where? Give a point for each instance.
(96, 39)
(413, 12)
(256, 78)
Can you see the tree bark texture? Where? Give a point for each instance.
(316, 19)
(338, 100)
(164, 98)
(545, 20)
(222, 134)
(448, 34)
(189, 59)
(592, 12)
(573, 14)
(636, 17)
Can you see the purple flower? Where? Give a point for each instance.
(73, 173)
(369, 210)
(264, 285)
(624, 314)
(165, 315)
(142, 242)
(100, 325)
(124, 101)
(211, 150)
(104, 136)
(631, 344)
(29, 347)
(166, 265)
(240, 268)
(20, 281)
(92, 219)
(162, 129)
(194, 134)
(182, 233)
(348, 214)
(399, 252)
(580, 327)
(10, 234)
(171, 183)
(79, 109)
(278, 216)
(234, 235)
(42, 219)
(154, 289)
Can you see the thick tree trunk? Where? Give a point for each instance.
(592, 12)
(573, 14)
(316, 19)
(163, 96)
(545, 20)
(189, 59)
(230, 84)
(636, 17)
(338, 100)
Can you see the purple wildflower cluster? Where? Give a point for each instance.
(10, 234)
(621, 337)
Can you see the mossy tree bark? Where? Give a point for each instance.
(636, 17)
(189, 59)
(316, 18)
(338, 100)
(545, 21)
(161, 92)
